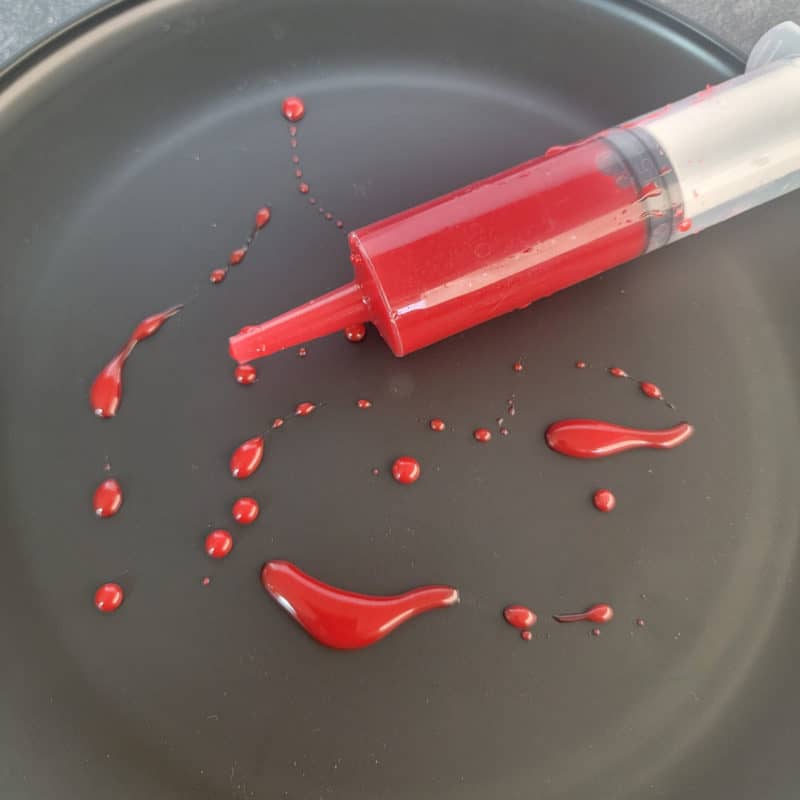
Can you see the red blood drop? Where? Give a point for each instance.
(293, 108)
(617, 372)
(304, 409)
(218, 275)
(518, 366)
(277, 422)
(343, 619)
(245, 510)
(437, 425)
(263, 216)
(482, 435)
(293, 130)
(406, 469)
(107, 498)
(245, 374)
(519, 616)
(206, 580)
(580, 364)
(108, 597)
(595, 631)
(303, 188)
(339, 223)
(651, 390)
(150, 325)
(302, 352)
(684, 225)
(504, 431)
(376, 471)
(604, 500)
(219, 543)
(246, 458)
(640, 622)
(355, 333)
(599, 613)
(237, 256)
(364, 403)
(526, 635)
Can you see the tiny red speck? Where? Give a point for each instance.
(219, 543)
(277, 422)
(406, 469)
(651, 390)
(245, 374)
(302, 352)
(364, 403)
(303, 188)
(526, 635)
(518, 366)
(355, 333)
(684, 225)
(580, 365)
(108, 597)
(604, 500)
(482, 435)
(617, 372)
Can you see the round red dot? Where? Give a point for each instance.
(206, 580)
(293, 108)
(526, 635)
(580, 365)
(651, 390)
(437, 425)
(640, 622)
(364, 403)
(517, 366)
(245, 374)
(355, 333)
(219, 543)
(108, 597)
(406, 469)
(237, 256)
(684, 225)
(617, 372)
(277, 422)
(604, 500)
(217, 275)
(245, 510)
(482, 435)
(303, 188)
(302, 352)
(304, 409)
(595, 631)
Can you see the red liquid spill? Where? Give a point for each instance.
(617, 372)
(684, 225)
(604, 500)
(108, 597)
(293, 130)
(355, 333)
(599, 614)
(246, 458)
(302, 352)
(245, 510)
(519, 616)
(245, 374)
(247, 328)
(107, 499)
(482, 435)
(364, 404)
(219, 543)
(106, 392)
(580, 364)
(339, 223)
(651, 390)
(293, 108)
(277, 422)
(591, 438)
(217, 275)
(517, 366)
(304, 409)
(526, 635)
(406, 469)
(346, 620)
(237, 256)
(303, 188)
(312, 200)
(437, 425)
(263, 216)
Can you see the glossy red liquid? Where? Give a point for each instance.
(482, 435)
(437, 425)
(303, 188)
(355, 333)
(604, 500)
(519, 616)
(304, 409)
(302, 352)
(342, 619)
(364, 403)
(217, 275)
(580, 365)
(263, 216)
(245, 510)
(293, 108)
(107, 498)
(245, 374)
(237, 256)
(517, 366)
(685, 225)
(219, 543)
(406, 469)
(479, 252)
(617, 372)
(651, 390)
(106, 392)
(246, 458)
(591, 438)
(599, 614)
(278, 422)
(526, 635)
(108, 597)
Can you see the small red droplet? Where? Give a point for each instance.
(245, 374)
(206, 580)
(617, 372)
(406, 469)
(604, 500)
(277, 422)
(217, 275)
(482, 435)
(295, 159)
(293, 130)
(518, 366)
(339, 223)
(219, 543)
(355, 333)
(640, 622)
(237, 256)
(651, 390)
(328, 216)
(598, 613)
(580, 364)
(376, 471)
(302, 352)
(303, 188)
(107, 498)
(437, 425)
(526, 635)
(245, 510)
(364, 403)
(246, 458)
(684, 225)
(504, 431)
(298, 173)
(108, 597)
(293, 108)
(263, 216)
(519, 616)
(304, 409)
(595, 631)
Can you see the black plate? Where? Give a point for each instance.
(133, 156)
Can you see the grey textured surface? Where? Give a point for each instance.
(739, 22)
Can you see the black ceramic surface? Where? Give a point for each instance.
(131, 160)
